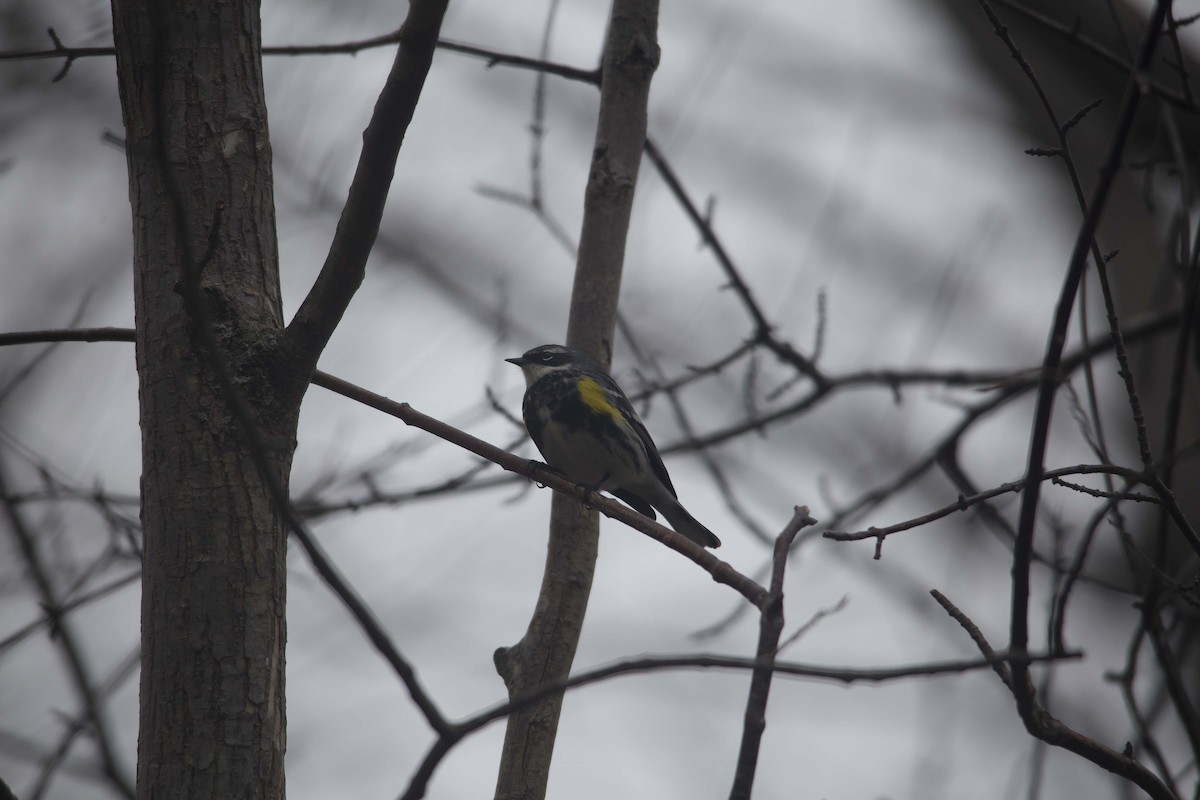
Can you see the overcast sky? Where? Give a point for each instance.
(851, 149)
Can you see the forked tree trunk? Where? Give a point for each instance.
(206, 302)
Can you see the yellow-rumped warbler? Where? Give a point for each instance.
(586, 428)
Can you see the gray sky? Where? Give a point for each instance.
(851, 148)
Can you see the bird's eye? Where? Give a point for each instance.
(547, 357)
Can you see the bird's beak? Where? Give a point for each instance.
(520, 362)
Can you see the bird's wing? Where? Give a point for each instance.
(618, 399)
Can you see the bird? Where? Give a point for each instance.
(586, 428)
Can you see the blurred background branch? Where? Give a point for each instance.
(869, 186)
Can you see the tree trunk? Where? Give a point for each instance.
(206, 292)
(546, 651)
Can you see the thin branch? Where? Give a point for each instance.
(1051, 730)
(1188, 327)
(976, 635)
(1048, 382)
(352, 47)
(1062, 595)
(51, 618)
(716, 473)
(1009, 383)
(79, 724)
(770, 629)
(817, 616)
(1072, 34)
(1180, 64)
(590, 76)
(71, 649)
(1170, 508)
(964, 503)
(345, 264)
(1174, 682)
(418, 783)
(1036, 719)
(68, 54)
(1144, 737)
(312, 506)
(1106, 494)
(763, 330)
(533, 470)
(721, 571)
(23, 373)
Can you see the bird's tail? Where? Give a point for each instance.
(685, 523)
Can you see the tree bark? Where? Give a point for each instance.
(547, 650)
(207, 306)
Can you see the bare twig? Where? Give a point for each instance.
(1037, 720)
(964, 503)
(1072, 34)
(353, 47)
(720, 571)
(1176, 684)
(770, 629)
(1144, 739)
(763, 330)
(69, 647)
(51, 619)
(711, 464)
(1009, 383)
(1048, 382)
(79, 724)
(418, 783)
(1049, 729)
(817, 616)
(976, 635)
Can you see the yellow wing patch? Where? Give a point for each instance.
(594, 398)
